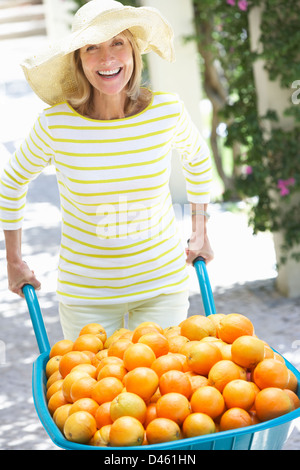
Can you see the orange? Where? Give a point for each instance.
(271, 373)
(183, 361)
(164, 363)
(56, 401)
(202, 357)
(269, 353)
(57, 385)
(176, 342)
(143, 381)
(162, 430)
(293, 382)
(172, 331)
(294, 397)
(117, 334)
(138, 355)
(239, 394)
(84, 404)
(208, 400)
(185, 348)
(233, 326)
(80, 427)
(101, 437)
(109, 360)
(102, 415)
(94, 329)
(198, 424)
(118, 347)
(128, 404)
(88, 342)
(106, 389)
(272, 402)
(142, 330)
(156, 341)
(60, 415)
(197, 327)
(69, 380)
(82, 388)
(235, 418)
(53, 378)
(151, 414)
(88, 368)
(247, 351)
(152, 324)
(225, 349)
(216, 318)
(126, 431)
(52, 365)
(223, 372)
(197, 381)
(61, 347)
(175, 381)
(98, 357)
(112, 370)
(70, 360)
(173, 406)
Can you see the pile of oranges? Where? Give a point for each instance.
(152, 385)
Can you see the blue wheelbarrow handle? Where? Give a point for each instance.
(36, 318)
(205, 287)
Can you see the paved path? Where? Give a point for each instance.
(242, 277)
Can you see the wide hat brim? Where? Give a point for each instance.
(50, 74)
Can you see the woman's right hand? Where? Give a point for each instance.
(19, 274)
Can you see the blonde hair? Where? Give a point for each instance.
(82, 99)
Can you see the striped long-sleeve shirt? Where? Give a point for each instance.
(119, 235)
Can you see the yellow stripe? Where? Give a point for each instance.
(13, 198)
(113, 167)
(108, 193)
(198, 182)
(114, 154)
(156, 289)
(121, 126)
(13, 179)
(198, 194)
(124, 277)
(119, 180)
(110, 141)
(11, 221)
(198, 173)
(116, 213)
(115, 248)
(199, 163)
(164, 276)
(113, 268)
(11, 209)
(94, 214)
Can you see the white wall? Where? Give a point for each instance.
(182, 77)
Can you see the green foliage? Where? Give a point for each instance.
(269, 162)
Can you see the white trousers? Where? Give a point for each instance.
(165, 309)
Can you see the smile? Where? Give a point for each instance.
(109, 73)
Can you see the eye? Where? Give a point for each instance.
(118, 43)
(90, 48)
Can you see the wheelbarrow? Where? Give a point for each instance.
(269, 435)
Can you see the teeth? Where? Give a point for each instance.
(109, 72)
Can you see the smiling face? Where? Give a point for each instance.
(108, 66)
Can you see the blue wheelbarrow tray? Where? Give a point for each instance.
(269, 435)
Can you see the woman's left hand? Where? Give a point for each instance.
(199, 245)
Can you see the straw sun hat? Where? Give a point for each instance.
(49, 73)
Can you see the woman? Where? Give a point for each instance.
(110, 141)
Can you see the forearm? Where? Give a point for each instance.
(18, 272)
(13, 244)
(199, 216)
